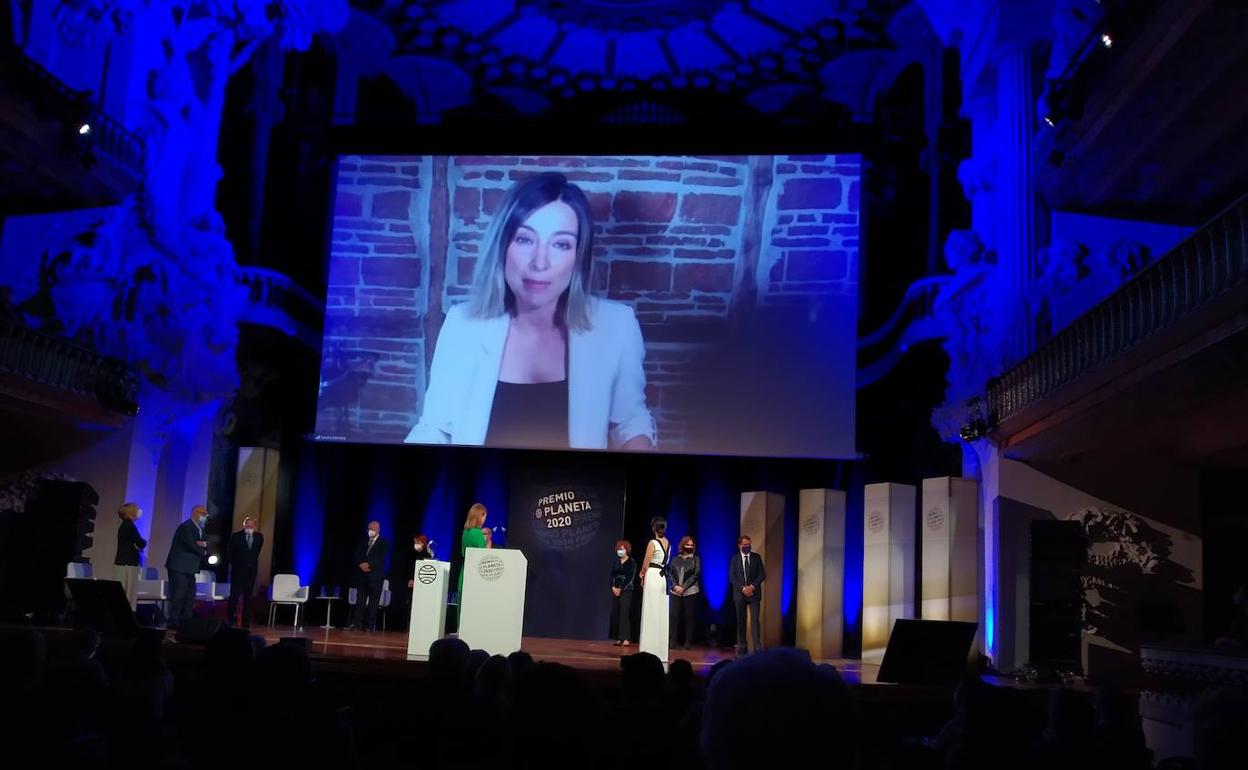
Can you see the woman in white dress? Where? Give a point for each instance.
(654, 611)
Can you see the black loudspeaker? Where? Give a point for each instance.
(102, 605)
(54, 530)
(927, 652)
(196, 630)
(1055, 611)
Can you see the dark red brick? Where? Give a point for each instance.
(640, 276)
(654, 176)
(348, 204)
(491, 199)
(713, 181)
(710, 208)
(485, 160)
(644, 207)
(395, 248)
(464, 268)
(704, 253)
(400, 325)
(703, 277)
(600, 206)
(467, 203)
(390, 271)
(387, 397)
(811, 194)
(344, 271)
(853, 196)
(800, 242)
(817, 266)
(554, 162)
(684, 165)
(392, 205)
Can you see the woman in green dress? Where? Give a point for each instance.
(473, 538)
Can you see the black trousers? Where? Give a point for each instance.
(683, 611)
(181, 597)
(367, 597)
(241, 587)
(624, 615)
(755, 632)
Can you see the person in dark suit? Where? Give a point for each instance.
(746, 574)
(186, 554)
(370, 572)
(130, 545)
(243, 554)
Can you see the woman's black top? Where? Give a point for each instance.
(623, 573)
(129, 543)
(532, 416)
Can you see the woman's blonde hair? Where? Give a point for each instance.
(476, 517)
(491, 296)
(128, 511)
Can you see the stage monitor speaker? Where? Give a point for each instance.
(196, 630)
(102, 605)
(1055, 609)
(927, 652)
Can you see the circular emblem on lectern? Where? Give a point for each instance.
(875, 521)
(490, 568)
(935, 520)
(427, 574)
(811, 524)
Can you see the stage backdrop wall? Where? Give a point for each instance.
(566, 520)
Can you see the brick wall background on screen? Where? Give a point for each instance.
(680, 239)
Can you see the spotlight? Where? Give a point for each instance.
(1107, 41)
(1048, 119)
(84, 129)
(213, 559)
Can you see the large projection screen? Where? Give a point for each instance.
(682, 304)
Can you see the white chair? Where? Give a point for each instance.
(382, 604)
(207, 588)
(286, 590)
(152, 589)
(79, 571)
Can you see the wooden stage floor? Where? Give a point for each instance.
(586, 655)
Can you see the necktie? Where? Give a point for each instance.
(249, 542)
(745, 566)
(371, 540)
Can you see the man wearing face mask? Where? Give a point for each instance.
(186, 555)
(243, 554)
(370, 573)
(746, 573)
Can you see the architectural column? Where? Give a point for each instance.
(1016, 209)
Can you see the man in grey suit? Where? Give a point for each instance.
(746, 573)
(186, 554)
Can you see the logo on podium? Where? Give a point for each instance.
(935, 520)
(426, 574)
(875, 522)
(490, 568)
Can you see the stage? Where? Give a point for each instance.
(581, 654)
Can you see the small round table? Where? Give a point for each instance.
(329, 607)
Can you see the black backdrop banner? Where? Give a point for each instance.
(565, 520)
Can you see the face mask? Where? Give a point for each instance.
(745, 549)
(249, 530)
(620, 553)
(419, 547)
(688, 549)
(372, 533)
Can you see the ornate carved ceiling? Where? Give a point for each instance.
(763, 50)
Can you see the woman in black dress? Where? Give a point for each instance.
(623, 580)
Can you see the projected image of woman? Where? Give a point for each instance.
(533, 359)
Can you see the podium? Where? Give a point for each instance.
(428, 621)
(491, 609)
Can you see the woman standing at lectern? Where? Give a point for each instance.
(623, 578)
(654, 610)
(405, 569)
(473, 538)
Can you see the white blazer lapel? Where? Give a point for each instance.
(480, 399)
(583, 375)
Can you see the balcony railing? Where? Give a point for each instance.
(57, 363)
(1203, 268)
(104, 137)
